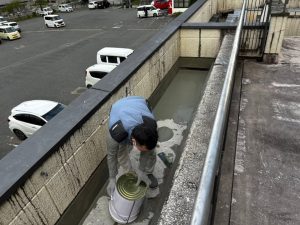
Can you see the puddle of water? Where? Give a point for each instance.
(179, 100)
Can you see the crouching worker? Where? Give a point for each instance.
(131, 124)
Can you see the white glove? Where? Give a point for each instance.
(142, 176)
(111, 186)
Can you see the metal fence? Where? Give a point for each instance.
(256, 25)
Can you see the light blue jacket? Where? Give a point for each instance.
(130, 110)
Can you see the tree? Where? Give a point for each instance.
(41, 3)
(12, 6)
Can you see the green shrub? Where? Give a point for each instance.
(176, 14)
(12, 7)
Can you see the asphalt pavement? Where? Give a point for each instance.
(49, 63)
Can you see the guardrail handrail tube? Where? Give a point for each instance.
(202, 205)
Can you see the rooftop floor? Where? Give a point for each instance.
(260, 180)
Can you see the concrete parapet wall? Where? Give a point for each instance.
(275, 34)
(200, 42)
(178, 208)
(293, 4)
(293, 26)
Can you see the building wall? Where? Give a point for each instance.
(293, 4)
(226, 5)
(205, 12)
(292, 27)
(200, 42)
(275, 34)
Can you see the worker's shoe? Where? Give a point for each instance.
(153, 180)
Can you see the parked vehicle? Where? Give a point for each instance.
(44, 11)
(9, 33)
(14, 25)
(113, 56)
(151, 11)
(98, 4)
(93, 5)
(2, 20)
(29, 116)
(161, 4)
(54, 21)
(103, 4)
(65, 8)
(97, 72)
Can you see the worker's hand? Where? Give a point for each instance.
(142, 176)
(111, 186)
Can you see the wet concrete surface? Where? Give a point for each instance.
(266, 175)
(174, 115)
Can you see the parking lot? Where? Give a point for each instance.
(49, 63)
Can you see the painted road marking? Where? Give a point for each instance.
(78, 90)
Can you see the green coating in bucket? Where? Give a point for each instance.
(127, 188)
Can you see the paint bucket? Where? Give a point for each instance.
(127, 199)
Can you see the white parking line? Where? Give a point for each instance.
(78, 90)
(20, 47)
(61, 30)
(13, 145)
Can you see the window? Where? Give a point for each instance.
(22, 117)
(112, 59)
(27, 118)
(56, 18)
(36, 120)
(97, 74)
(181, 4)
(122, 59)
(53, 112)
(103, 58)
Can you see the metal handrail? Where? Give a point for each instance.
(201, 211)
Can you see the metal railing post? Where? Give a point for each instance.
(202, 205)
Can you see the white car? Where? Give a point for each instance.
(97, 72)
(14, 25)
(2, 20)
(150, 9)
(65, 8)
(54, 21)
(112, 55)
(93, 5)
(29, 116)
(44, 11)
